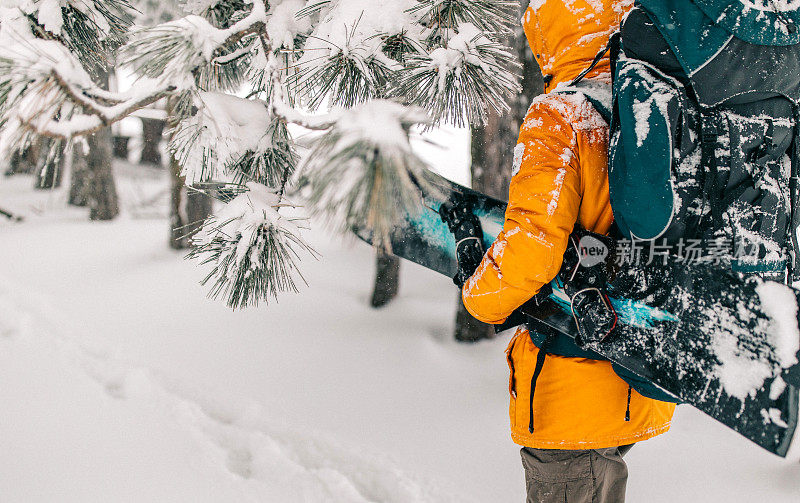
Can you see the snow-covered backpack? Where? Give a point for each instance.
(704, 143)
(703, 146)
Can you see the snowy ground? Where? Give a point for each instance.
(122, 382)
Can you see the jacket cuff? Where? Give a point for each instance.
(466, 299)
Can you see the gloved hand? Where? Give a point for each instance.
(466, 229)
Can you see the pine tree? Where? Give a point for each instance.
(333, 67)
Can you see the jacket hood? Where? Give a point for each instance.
(566, 35)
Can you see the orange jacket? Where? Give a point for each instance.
(560, 177)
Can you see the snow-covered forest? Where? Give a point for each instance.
(123, 382)
(185, 314)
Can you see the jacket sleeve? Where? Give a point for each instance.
(544, 201)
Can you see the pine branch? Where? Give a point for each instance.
(278, 104)
(458, 83)
(367, 177)
(91, 30)
(176, 50)
(294, 116)
(443, 17)
(47, 91)
(253, 249)
(231, 137)
(347, 79)
(80, 124)
(233, 56)
(354, 51)
(314, 6)
(271, 166)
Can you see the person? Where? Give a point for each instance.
(573, 416)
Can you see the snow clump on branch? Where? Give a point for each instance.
(49, 13)
(175, 51)
(30, 94)
(253, 248)
(284, 25)
(223, 129)
(344, 57)
(462, 80)
(365, 176)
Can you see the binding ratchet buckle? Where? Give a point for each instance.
(594, 315)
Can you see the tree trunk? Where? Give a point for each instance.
(50, 166)
(492, 156)
(121, 149)
(79, 178)
(387, 279)
(101, 189)
(24, 161)
(92, 182)
(188, 209)
(152, 130)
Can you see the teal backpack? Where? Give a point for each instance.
(704, 145)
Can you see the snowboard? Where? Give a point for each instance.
(700, 332)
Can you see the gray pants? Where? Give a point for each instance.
(571, 476)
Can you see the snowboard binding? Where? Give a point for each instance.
(584, 274)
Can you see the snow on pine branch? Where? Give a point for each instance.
(365, 176)
(448, 55)
(344, 58)
(232, 137)
(173, 52)
(86, 27)
(46, 89)
(284, 26)
(252, 247)
(102, 16)
(462, 80)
